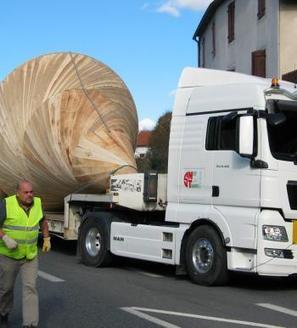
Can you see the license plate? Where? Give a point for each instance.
(295, 232)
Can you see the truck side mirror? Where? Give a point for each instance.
(245, 141)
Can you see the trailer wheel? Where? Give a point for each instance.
(93, 243)
(206, 257)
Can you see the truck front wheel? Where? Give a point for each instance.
(93, 243)
(206, 257)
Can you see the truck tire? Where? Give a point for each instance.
(206, 257)
(93, 243)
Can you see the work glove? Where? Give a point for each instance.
(9, 242)
(46, 247)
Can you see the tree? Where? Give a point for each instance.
(143, 163)
(159, 144)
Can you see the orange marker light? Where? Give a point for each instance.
(275, 82)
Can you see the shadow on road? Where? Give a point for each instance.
(237, 279)
(253, 281)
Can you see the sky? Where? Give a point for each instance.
(147, 43)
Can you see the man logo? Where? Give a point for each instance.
(116, 238)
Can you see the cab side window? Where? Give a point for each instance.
(221, 133)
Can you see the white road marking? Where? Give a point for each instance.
(49, 277)
(138, 312)
(278, 308)
(147, 317)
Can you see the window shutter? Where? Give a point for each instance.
(203, 52)
(261, 8)
(231, 21)
(259, 63)
(290, 76)
(213, 28)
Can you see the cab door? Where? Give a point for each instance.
(236, 185)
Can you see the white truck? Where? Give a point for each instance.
(229, 200)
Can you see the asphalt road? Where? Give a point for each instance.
(141, 294)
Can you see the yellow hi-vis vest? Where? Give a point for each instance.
(22, 228)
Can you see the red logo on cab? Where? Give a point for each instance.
(188, 179)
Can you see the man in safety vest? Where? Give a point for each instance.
(21, 216)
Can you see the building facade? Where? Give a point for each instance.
(255, 37)
(143, 144)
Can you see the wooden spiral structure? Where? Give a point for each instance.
(66, 122)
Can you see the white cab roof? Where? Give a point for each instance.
(195, 77)
(208, 90)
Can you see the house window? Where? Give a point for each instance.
(213, 32)
(203, 52)
(259, 63)
(231, 21)
(261, 8)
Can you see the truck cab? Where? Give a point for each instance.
(232, 168)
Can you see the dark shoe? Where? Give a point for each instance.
(4, 321)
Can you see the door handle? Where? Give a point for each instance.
(215, 191)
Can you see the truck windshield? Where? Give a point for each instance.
(282, 130)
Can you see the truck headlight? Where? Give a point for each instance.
(274, 233)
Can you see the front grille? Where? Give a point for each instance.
(292, 194)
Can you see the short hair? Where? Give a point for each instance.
(18, 185)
